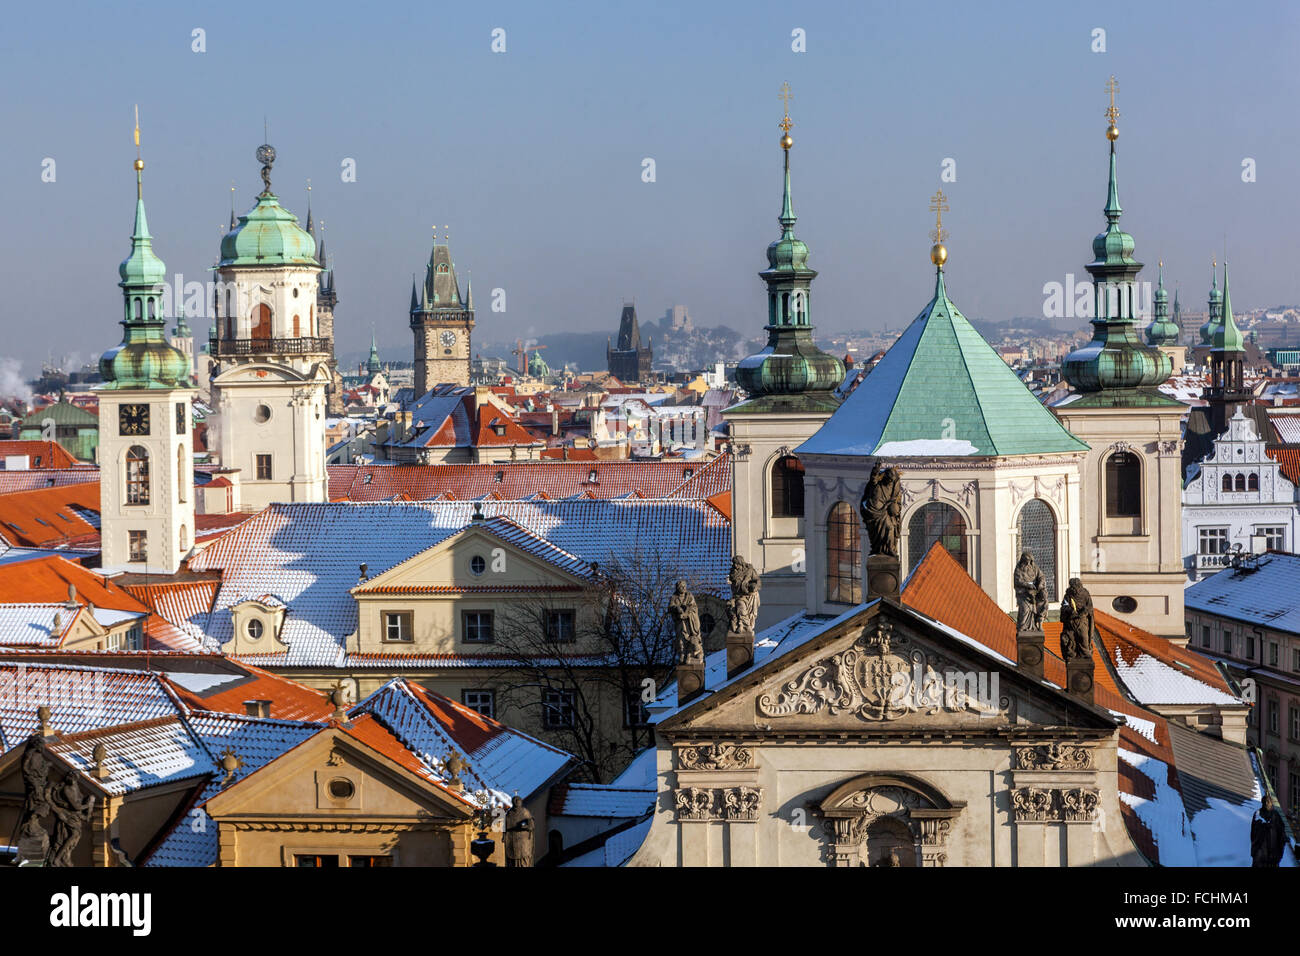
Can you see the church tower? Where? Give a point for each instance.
(442, 322)
(1227, 389)
(272, 357)
(326, 298)
(1132, 477)
(791, 393)
(146, 485)
(1164, 332)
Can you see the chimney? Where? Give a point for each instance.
(365, 573)
(257, 708)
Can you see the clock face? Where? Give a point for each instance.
(448, 338)
(133, 419)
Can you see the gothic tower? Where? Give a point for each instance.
(271, 354)
(1132, 477)
(146, 485)
(791, 393)
(442, 322)
(630, 362)
(326, 298)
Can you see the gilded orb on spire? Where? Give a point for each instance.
(786, 96)
(1112, 113)
(938, 252)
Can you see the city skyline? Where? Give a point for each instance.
(532, 180)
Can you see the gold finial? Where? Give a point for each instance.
(786, 96)
(1112, 113)
(938, 206)
(139, 163)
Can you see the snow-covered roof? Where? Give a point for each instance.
(27, 625)
(1264, 592)
(138, 755)
(309, 554)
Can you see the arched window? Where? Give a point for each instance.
(185, 539)
(137, 475)
(151, 308)
(1124, 485)
(787, 487)
(297, 330)
(1240, 482)
(136, 302)
(183, 476)
(1037, 527)
(843, 555)
(933, 522)
(261, 322)
(230, 327)
(1227, 482)
(1252, 482)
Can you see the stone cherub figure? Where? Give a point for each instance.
(742, 609)
(1031, 593)
(519, 834)
(686, 622)
(1076, 622)
(882, 508)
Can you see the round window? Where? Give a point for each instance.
(341, 789)
(262, 413)
(254, 629)
(477, 565)
(1124, 604)
(295, 292)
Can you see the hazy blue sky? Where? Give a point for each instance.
(533, 157)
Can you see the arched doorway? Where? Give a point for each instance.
(877, 819)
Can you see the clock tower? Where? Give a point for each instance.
(442, 321)
(146, 485)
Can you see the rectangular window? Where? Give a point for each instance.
(1213, 540)
(368, 861)
(476, 626)
(560, 627)
(557, 709)
(315, 860)
(481, 701)
(634, 711)
(263, 467)
(1274, 536)
(1295, 723)
(1227, 642)
(1293, 786)
(181, 418)
(1273, 709)
(1295, 658)
(114, 641)
(1250, 647)
(397, 626)
(137, 546)
(135, 638)
(1272, 653)
(1205, 635)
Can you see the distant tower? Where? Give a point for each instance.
(373, 365)
(442, 322)
(1132, 531)
(146, 485)
(326, 298)
(630, 362)
(1216, 306)
(182, 337)
(272, 359)
(1227, 389)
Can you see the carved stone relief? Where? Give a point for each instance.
(715, 756)
(887, 825)
(1054, 757)
(729, 803)
(1039, 805)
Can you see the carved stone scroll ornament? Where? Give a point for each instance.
(1054, 757)
(1080, 804)
(716, 757)
(1032, 804)
(730, 803)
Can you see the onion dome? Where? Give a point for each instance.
(1116, 364)
(268, 235)
(790, 371)
(1163, 330)
(144, 359)
(1216, 307)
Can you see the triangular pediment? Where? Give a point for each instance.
(887, 669)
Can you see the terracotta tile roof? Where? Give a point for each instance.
(1289, 458)
(375, 735)
(519, 480)
(140, 754)
(226, 693)
(48, 516)
(184, 605)
(40, 454)
(941, 588)
(36, 478)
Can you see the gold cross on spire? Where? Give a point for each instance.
(1112, 87)
(139, 163)
(939, 206)
(785, 96)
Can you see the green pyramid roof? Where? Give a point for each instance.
(941, 390)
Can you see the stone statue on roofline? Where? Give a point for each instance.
(72, 810)
(1031, 593)
(519, 834)
(685, 615)
(882, 509)
(742, 609)
(1076, 622)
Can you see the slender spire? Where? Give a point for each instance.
(938, 252)
(469, 293)
(233, 221)
(415, 299)
(787, 219)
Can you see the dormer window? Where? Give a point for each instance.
(591, 476)
(500, 476)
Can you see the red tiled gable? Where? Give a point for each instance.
(941, 588)
(1289, 459)
(45, 518)
(470, 729)
(376, 736)
(289, 699)
(40, 454)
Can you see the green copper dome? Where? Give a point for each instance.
(1163, 330)
(144, 359)
(269, 235)
(1216, 310)
(790, 369)
(1116, 362)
